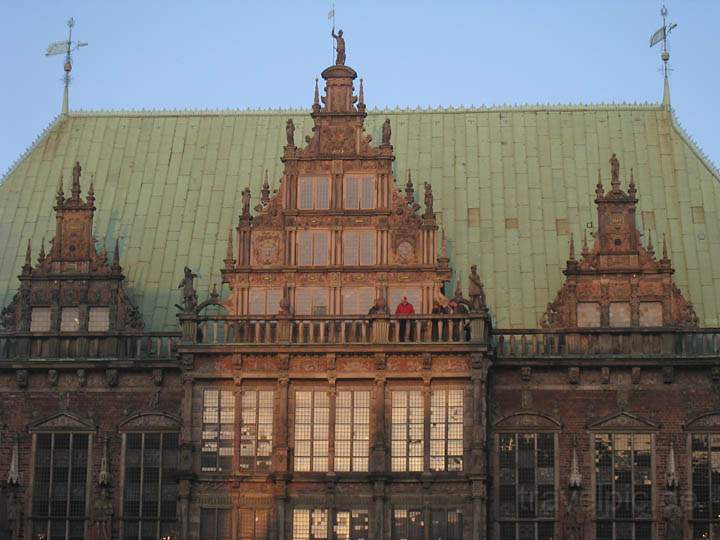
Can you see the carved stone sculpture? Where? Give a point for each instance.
(673, 518)
(188, 291)
(386, 132)
(339, 47)
(102, 515)
(476, 290)
(111, 377)
(614, 170)
(21, 378)
(82, 377)
(575, 518)
(290, 132)
(428, 201)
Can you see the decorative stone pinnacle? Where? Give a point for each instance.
(650, 248)
(13, 478)
(409, 189)
(28, 254)
(575, 479)
(229, 258)
(664, 249)
(572, 247)
(41, 255)
(585, 244)
(265, 191)
(316, 100)
(116, 255)
(361, 96)
(599, 189)
(75, 191)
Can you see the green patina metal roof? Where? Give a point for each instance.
(510, 184)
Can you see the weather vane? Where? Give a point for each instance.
(661, 35)
(66, 48)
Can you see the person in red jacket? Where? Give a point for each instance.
(404, 308)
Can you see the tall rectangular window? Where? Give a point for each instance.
(99, 319)
(253, 524)
(446, 430)
(357, 300)
(310, 524)
(526, 485)
(311, 301)
(408, 525)
(215, 524)
(256, 430)
(264, 301)
(313, 193)
(70, 319)
(150, 488)
(414, 296)
(218, 430)
(352, 430)
(312, 419)
(407, 431)
(359, 247)
(351, 525)
(313, 247)
(59, 485)
(359, 192)
(40, 319)
(623, 498)
(446, 524)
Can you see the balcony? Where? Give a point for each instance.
(154, 346)
(606, 342)
(334, 330)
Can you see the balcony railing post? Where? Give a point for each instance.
(477, 330)
(284, 329)
(379, 329)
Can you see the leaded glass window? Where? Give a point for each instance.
(59, 485)
(312, 418)
(310, 524)
(446, 524)
(253, 524)
(526, 486)
(446, 430)
(313, 193)
(351, 525)
(215, 524)
(407, 431)
(150, 487)
(218, 430)
(705, 484)
(352, 430)
(256, 430)
(408, 524)
(623, 479)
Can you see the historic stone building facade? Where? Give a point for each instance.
(307, 400)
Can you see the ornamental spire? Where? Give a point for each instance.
(575, 476)
(632, 190)
(41, 255)
(409, 189)
(229, 258)
(265, 191)
(116, 256)
(599, 189)
(60, 197)
(361, 96)
(316, 99)
(75, 190)
(585, 250)
(572, 248)
(13, 478)
(650, 248)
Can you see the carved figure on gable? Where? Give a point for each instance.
(476, 290)
(614, 170)
(188, 291)
(428, 201)
(246, 202)
(339, 47)
(386, 132)
(290, 132)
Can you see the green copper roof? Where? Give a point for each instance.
(510, 184)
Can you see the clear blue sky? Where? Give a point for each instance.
(191, 54)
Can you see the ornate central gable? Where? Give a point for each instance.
(338, 233)
(618, 282)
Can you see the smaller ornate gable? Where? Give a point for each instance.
(623, 421)
(527, 420)
(618, 283)
(62, 421)
(707, 421)
(150, 421)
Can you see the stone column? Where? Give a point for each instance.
(477, 466)
(280, 455)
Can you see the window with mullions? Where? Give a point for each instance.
(446, 524)
(526, 486)
(59, 485)
(150, 488)
(256, 430)
(312, 418)
(218, 430)
(446, 430)
(253, 524)
(310, 524)
(706, 484)
(407, 431)
(313, 193)
(215, 524)
(359, 192)
(408, 525)
(351, 525)
(623, 479)
(352, 430)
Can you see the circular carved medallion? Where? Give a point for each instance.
(405, 252)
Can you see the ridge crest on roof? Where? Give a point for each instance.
(709, 163)
(30, 148)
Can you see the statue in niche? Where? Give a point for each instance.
(102, 516)
(339, 47)
(290, 132)
(476, 290)
(386, 132)
(673, 517)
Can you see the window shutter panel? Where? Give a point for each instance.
(368, 192)
(322, 193)
(350, 248)
(320, 248)
(305, 185)
(304, 249)
(351, 192)
(303, 301)
(257, 302)
(319, 301)
(367, 247)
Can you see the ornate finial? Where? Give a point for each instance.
(572, 248)
(650, 248)
(443, 244)
(316, 100)
(632, 190)
(66, 48)
(575, 479)
(660, 36)
(429, 213)
(28, 254)
(664, 249)
(339, 47)
(60, 197)
(229, 258)
(41, 255)
(75, 190)
(214, 293)
(116, 256)
(13, 478)
(361, 96)
(585, 250)
(91, 191)
(409, 189)
(104, 474)
(615, 173)
(265, 191)
(671, 474)
(599, 189)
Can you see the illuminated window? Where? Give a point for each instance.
(407, 431)
(218, 430)
(40, 319)
(256, 430)
(357, 300)
(313, 248)
(352, 430)
(311, 301)
(310, 524)
(446, 524)
(351, 525)
(253, 524)
(264, 301)
(359, 192)
(706, 484)
(623, 479)
(59, 485)
(526, 485)
(446, 430)
(99, 319)
(408, 525)
(359, 247)
(150, 489)
(70, 319)
(312, 419)
(215, 524)
(313, 193)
